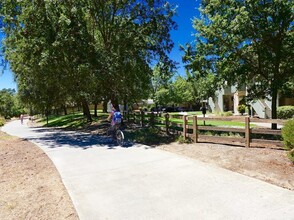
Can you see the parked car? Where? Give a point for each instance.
(158, 109)
(182, 109)
(169, 109)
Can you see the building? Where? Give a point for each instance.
(228, 99)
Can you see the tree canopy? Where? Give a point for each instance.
(60, 49)
(246, 42)
(9, 103)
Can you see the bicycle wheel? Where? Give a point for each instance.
(120, 137)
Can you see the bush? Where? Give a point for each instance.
(181, 140)
(227, 114)
(285, 112)
(2, 121)
(288, 138)
(241, 109)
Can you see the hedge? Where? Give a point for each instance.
(2, 121)
(285, 112)
(288, 138)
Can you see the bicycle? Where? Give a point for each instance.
(117, 134)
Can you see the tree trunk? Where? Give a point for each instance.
(47, 116)
(125, 105)
(274, 106)
(105, 106)
(64, 109)
(86, 110)
(95, 109)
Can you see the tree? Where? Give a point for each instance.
(131, 35)
(246, 42)
(163, 96)
(182, 92)
(9, 103)
(3, 62)
(160, 81)
(61, 49)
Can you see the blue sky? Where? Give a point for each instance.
(187, 9)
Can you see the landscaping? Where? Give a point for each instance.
(225, 99)
(28, 170)
(223, 130)
(30, 186)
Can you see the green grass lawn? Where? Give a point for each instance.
(200, 122)
(189, 113)
(213, 123)
(75, 120)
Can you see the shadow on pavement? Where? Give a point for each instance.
(54, 138)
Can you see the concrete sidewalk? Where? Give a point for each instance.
(138, 182)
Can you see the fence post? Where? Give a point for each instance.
(152, 119)
(247, 131)
(142, 118)
(125, 114)
(184, 126)
(195, 129)
(166, 122)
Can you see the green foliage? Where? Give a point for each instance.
(9, 104)
(181, 140)
(241, 109)
(245, 42)
(288, 138)
(222, 134)
(177, 92)
(202, 87)
(229, 113)
(2, 121)
(66, 121)
(285, 112)
(150, 136)
(182, 92)
(86, 51)
(163, 96)
(161, 78)
(225, 114)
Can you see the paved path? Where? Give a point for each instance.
(109, 182)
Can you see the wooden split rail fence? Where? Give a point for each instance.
(190, 126)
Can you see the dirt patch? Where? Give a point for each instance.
(30, 185)
(270, 165)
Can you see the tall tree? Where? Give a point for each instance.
(131, 35)
(246, 42)
(73, 47)
(182, 92)
(9, 103)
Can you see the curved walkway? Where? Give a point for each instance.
(138, 182)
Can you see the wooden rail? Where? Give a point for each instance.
(190, 126)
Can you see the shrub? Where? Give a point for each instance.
(225, 114)
(288, 138)
(2, 121)
(181, 140)
(241, 109)
(285, 112)
(229, 113)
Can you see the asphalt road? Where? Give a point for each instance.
(138, 182)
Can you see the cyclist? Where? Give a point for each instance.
(115, 117)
